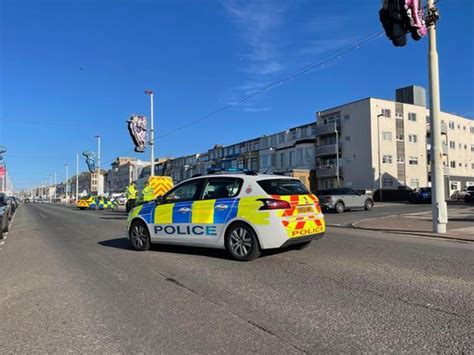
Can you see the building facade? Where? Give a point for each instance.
(380, 144)
(124, 170)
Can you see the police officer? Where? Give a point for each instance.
(147, 193)
(131, 195)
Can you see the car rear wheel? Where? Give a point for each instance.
(369, 204)
(139, 236)
(241, 242)
(339, 207)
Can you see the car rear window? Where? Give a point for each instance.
(283, 187)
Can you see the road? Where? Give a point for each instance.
(70, 283)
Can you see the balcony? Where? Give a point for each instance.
(326, 129)
(326, 171)
(328, 149)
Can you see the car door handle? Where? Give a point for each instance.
(184, 209)
(221, 207)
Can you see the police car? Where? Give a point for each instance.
(243, 213)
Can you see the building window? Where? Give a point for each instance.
(460, 165)
(299, 156)
(472, 166)
(413, 161)
(465, 146)
(451, 125)
(463, 128)
(472, 130)
(347, 138)
(459, 145)
(294, 134)
(387, 136)
(399, 137)
(281, 138)
(282, 160)
(452, 144)
(386, 113)
(387, 182)
(414, 183)
(452, 164)
(387, 159)
(412, 116)
(398, 114)
(459, 126)
(291, 158)
(400, 160)
(472, 147)
(412, 138)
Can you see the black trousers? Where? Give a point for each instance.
(130, 204)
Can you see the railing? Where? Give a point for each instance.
(328, 149)
(327, 171)
(324, 129)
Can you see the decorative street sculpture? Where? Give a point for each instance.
(137, 127)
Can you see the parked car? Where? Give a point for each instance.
(5, 214)
(420, 195)
(341, 199)
(469, 197)
(14, 203)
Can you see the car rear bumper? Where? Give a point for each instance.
(299, 240)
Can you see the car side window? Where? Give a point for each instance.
(221, 188)
(185, 192)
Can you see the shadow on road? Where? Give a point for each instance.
(120, 218)
(123, 243)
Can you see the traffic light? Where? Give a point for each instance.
(399, 17)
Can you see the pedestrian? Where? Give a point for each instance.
(147, 193)
(131, 195)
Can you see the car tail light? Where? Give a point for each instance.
(273, 204)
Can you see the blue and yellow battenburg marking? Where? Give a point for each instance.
(218, 211)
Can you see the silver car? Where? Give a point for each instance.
(341, 199)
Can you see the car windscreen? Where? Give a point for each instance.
(283, 187)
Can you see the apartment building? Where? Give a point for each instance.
(123, 171)
(290, 153)
(375, 143)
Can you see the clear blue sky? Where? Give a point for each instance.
(79, 67)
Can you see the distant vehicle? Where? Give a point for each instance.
(96, 203)
(26, 200)
(420, 195)
(119, 198)
(460, 194)
(13, 202)
(342, 199)
(240, 213)
(5, 214)
(469, 197)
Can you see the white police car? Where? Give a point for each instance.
(243, 213)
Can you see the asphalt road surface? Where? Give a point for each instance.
(70, 283)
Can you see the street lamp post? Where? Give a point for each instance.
(379, 155)
(49, 187)
(439, 208)
(337, 152)
(67, 182)
(77, 176)
(151, 141)
(99, 173)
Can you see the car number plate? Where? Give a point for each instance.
(305, 209)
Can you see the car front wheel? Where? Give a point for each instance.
(339, 207)
(369, 204)
(139, 236)
(241, 242)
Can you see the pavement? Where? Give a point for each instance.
(70, 283)
(460, 223)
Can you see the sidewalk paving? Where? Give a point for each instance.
(460, 224)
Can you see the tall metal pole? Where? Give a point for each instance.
(379, 155)
(438, 204)
(49, 187)
(55, 183)
(67, 183)
(152, 133)
(99, 173)
(77, 176)
(337, 153)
